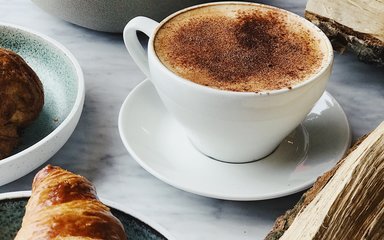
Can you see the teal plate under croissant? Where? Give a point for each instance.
(63, 84)
(12, 210)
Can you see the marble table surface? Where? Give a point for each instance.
(96, 151)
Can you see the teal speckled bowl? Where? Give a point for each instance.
(12, 208)
(63, 84)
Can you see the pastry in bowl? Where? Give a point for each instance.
(21, 98)
(64, 205)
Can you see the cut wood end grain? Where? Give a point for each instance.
(347, 202)
(357, 25)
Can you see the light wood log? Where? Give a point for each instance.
(345, 203)
(357, 25)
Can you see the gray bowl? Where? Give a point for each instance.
(111, 15)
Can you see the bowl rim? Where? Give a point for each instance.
(79, 101)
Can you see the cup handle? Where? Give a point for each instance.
(137, 52)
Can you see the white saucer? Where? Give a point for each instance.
(158, 143)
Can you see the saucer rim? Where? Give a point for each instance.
(246, 197)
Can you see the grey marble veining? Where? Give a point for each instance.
(96, 151)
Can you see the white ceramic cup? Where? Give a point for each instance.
(229, 126)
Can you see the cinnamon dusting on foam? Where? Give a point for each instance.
(248, 50)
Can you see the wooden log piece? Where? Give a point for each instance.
(357, 25)
(345, 203)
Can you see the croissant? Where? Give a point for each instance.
(21, 99)
(64, 205)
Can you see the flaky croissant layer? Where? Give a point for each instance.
(65, 206)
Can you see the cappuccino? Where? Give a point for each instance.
(239, 47)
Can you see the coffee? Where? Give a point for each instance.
(239, 47)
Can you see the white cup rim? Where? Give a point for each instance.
(314, 29)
